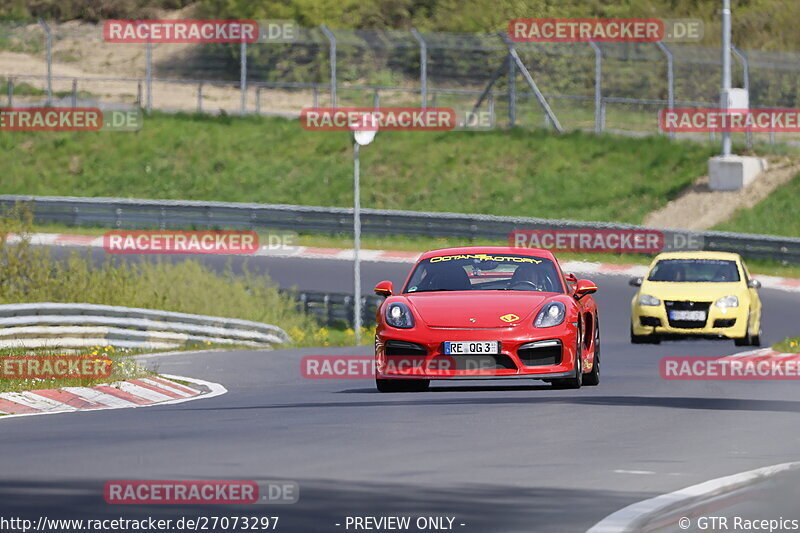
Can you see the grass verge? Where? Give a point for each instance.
(273, 160)
(30, 274)
(788, 345)
(122, 367)
(777, 214)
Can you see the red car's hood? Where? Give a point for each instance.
(456, 309)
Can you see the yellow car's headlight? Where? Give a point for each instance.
(727, 301)
(646, 299)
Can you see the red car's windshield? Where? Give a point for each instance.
(485, 272)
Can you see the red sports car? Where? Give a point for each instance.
(487, 312)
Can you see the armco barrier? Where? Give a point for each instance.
(73, 325)
(174, 214)
(334, 309)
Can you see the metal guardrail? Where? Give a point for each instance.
(121, 213)
(73, 325)
(333, 309)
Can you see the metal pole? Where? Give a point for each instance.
(200, 97)
(670, 77)
(726, 66)
(243, 76)
(598, 87)
(423, 67)
(531, 83)
(10, 92)
(356, 243)
(512, 93)
(49, 48)
(148, 74)
(746, 78)
(75, 92)
(332, 40)
(487, 91)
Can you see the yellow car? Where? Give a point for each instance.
(709, 294)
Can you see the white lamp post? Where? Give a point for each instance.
(726, 67)
(364, 131)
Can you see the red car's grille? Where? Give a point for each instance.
(404, 348)
(540, 353)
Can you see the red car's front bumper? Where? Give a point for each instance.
(546, 353)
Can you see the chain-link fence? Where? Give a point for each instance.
(609, 86)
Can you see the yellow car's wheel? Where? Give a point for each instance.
(644, 339)
(748, 339)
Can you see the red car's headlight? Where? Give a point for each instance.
(398, 315)
(552, 314)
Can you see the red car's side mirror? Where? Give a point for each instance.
(584, 287)
(384, 288)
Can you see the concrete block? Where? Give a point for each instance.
(733, 172)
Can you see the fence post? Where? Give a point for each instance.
(148, 74)
(75, 92)
(258, 100)
(243, 75)
(48, 36)
(376, 100)
(670, 77)
(514, 58)
(316, 95)
(332, 40)
(598, 87)
(139, 94)
(423, 67)
(603, 115)
(512, 92)
(10, 92)
(200, 97)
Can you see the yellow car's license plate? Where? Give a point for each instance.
(688, 315)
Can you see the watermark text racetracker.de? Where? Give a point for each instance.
(381, 118)
(712, 120)
(730, 368)
(604, 30)
(192, 31)
(395, 119)
(217, 492)
(193, 242)
(69, 119)
(364, 367)
(628, 241)
(54, 367)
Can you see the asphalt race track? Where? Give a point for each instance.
(498, 458)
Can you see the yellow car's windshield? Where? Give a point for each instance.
(695, 270)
